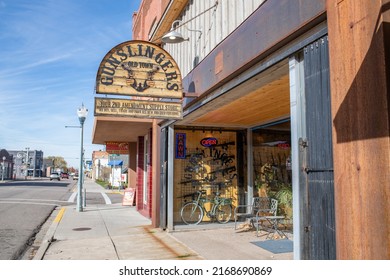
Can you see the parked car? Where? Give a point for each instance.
(64, 175)
(55, 176)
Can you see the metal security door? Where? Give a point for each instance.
(317, 184)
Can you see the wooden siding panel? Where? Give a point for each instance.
(360, 108)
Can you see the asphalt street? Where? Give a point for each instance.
(25, 206)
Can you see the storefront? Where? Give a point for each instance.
(261, 78)
(259, 118)
(215, 160)
(249, 155)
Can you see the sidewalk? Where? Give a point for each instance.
(116, 232)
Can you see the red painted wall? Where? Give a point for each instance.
(149, 12)
(144, 208)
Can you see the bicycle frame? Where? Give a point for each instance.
(215, 202)
(192, 212)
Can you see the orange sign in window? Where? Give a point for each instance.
(117, 148)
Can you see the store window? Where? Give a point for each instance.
(204, 160)
(272, 165)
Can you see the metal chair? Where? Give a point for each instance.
(267, 212)
(260, 206)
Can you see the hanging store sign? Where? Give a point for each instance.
(119, 148)
(139, 68)
(137, 108)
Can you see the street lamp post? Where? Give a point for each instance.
(82, 114)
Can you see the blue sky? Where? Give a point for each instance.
(50, 51)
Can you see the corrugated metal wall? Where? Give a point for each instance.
(215, 25)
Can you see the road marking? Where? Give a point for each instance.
(106, 198)
(60, 215)
(72, 197)
(30, 203)
(117, 192)
(30, 199)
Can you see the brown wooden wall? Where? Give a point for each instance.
(359, 35)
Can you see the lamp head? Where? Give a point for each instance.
(173, 37)
(82, 113)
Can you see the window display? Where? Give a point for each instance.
(205, 163)
(272, 165)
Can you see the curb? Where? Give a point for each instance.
(49, 237)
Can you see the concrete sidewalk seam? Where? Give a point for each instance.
(109, 235)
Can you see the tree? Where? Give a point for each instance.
(58, 162)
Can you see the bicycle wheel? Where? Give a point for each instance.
(191, 213)
(223, 213)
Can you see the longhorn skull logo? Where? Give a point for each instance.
(133, 81)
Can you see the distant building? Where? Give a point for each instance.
(7, 164)
(99, 162)
(27, 163)
(110, 167)
(48, 167)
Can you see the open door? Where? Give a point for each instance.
(316, 158)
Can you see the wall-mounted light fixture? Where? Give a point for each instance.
(174, 37)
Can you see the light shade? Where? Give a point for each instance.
(82, 112)
(173, 37)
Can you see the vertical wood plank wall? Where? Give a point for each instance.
(215, 25)
(359, 51)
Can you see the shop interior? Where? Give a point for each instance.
(261, 106)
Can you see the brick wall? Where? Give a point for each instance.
(150, 175)
(149, 12)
